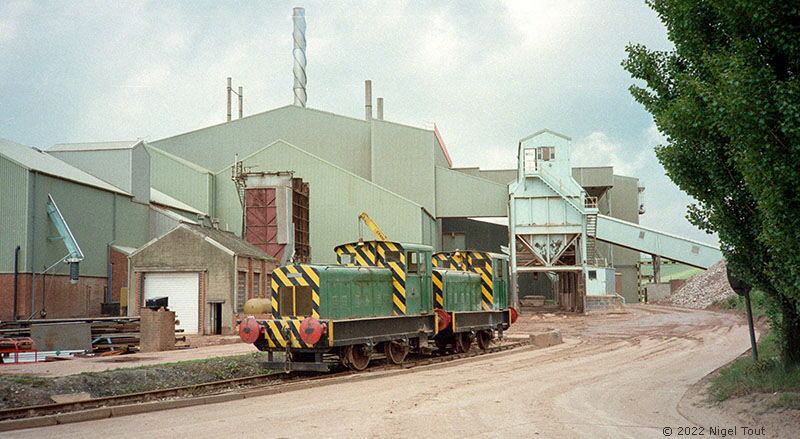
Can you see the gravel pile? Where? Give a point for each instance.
(704, 289)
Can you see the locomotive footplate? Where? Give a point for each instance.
(302, 361)
(478, 320)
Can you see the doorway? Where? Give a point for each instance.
(216, 318)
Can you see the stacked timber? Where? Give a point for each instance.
(107, 333)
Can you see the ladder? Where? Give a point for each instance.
(591, 240)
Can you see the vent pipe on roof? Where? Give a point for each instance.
(230, 89)
(368, 99)
(299, 53)
(380, 108)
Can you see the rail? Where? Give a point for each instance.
(255, 381)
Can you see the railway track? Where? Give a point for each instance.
(272, 380)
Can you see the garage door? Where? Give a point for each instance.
(183, 290)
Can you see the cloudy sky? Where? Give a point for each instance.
(486, 72)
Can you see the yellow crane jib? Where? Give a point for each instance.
(373, 226)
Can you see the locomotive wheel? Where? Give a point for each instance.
(463, 342)
(484, 338)
(395, 352)
(357, 357)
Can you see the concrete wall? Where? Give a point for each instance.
(336, 197)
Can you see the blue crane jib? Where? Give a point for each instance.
(74, 255)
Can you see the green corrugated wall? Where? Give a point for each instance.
(90, 214)
(336, 198)
(180, 180)
(14, 213)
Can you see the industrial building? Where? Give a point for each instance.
(291, 182)
(207, 273)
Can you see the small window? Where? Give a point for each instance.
(546, 153)
(592, 274)
(411, 257)
(394, 257)
(294, 301)
(347, 259)
(256, 285)
(479, 264)
(499, 269)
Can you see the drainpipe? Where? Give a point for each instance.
(16, 283)
(109, 273)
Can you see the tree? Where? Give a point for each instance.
(727, 98)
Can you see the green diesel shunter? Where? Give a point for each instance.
(379, 302)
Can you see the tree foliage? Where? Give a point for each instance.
(727, 98)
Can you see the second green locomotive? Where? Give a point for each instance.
(383, 300)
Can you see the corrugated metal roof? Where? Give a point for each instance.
(230, 241)
(158, 197)
(40, 161)
(93, 146)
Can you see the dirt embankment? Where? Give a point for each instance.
(18, 391)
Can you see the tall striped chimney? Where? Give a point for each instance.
(299, 53)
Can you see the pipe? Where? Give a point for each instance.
(299, 53)
(16, 283)
(229, 90)
(380, 108)
(241, 102)
(368, 99)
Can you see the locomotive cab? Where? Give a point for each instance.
(380, 301)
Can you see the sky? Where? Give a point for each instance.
(487, 73)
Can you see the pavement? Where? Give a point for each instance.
(616, 376)
(99, 364)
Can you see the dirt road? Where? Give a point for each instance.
(616, 376)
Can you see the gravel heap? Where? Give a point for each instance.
(703, 289)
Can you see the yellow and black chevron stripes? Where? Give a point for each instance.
(437, 289)
(298, 275)
(381, 254)
(363, 255)
(280, 332)
(480, 263)
(392, 256)
(450, 261)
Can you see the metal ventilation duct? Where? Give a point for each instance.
(299, 53)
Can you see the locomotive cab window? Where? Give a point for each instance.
(413, 262)
(394, 257)
(499, 269)
(479, 264)
(294, 301)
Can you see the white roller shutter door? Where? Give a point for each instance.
(183, 290)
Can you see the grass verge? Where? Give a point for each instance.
(768, 376)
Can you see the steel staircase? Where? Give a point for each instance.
(591, 240)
